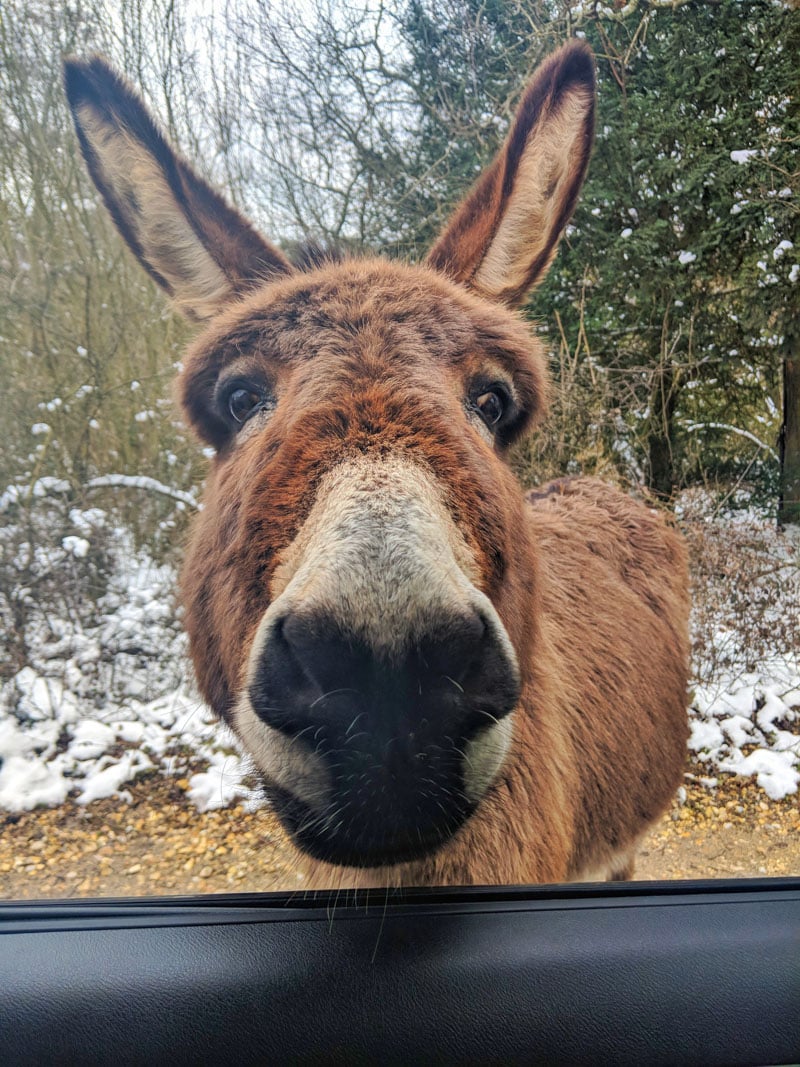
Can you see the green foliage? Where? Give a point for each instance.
(680, 269)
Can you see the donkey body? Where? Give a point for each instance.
(438, 680)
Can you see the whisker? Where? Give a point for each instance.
(452, 681)
(488, 714)
(331, 693)
(355, 720)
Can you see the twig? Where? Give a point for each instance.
(694, 426)
(141, 481)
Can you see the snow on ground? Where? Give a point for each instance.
(105, 693)
(758, 711)
(745, 707)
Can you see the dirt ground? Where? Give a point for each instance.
(159, 844)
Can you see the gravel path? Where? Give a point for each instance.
(159, 844)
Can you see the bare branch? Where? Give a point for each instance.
(694, 427)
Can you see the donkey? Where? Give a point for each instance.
(440, 680)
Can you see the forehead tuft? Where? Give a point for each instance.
(396, 306)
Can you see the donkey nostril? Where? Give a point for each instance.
(282, 655)
(295, 631)
(455, 650)
(313, 674)
(321, 653)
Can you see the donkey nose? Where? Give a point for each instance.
(329, 658)
(449, 682)
(393, 744)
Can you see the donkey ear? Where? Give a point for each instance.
(186, 236)
(505, 233)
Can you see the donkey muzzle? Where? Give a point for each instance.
(395, 751)
(381, 679)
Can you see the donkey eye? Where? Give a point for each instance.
(491, 406)
(242, 403)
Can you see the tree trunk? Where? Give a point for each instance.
(663, 401)
(789, 445)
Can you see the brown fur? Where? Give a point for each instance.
(369, 358)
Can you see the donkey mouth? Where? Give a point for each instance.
(364, 833)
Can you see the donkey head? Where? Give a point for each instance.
(360, 589)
